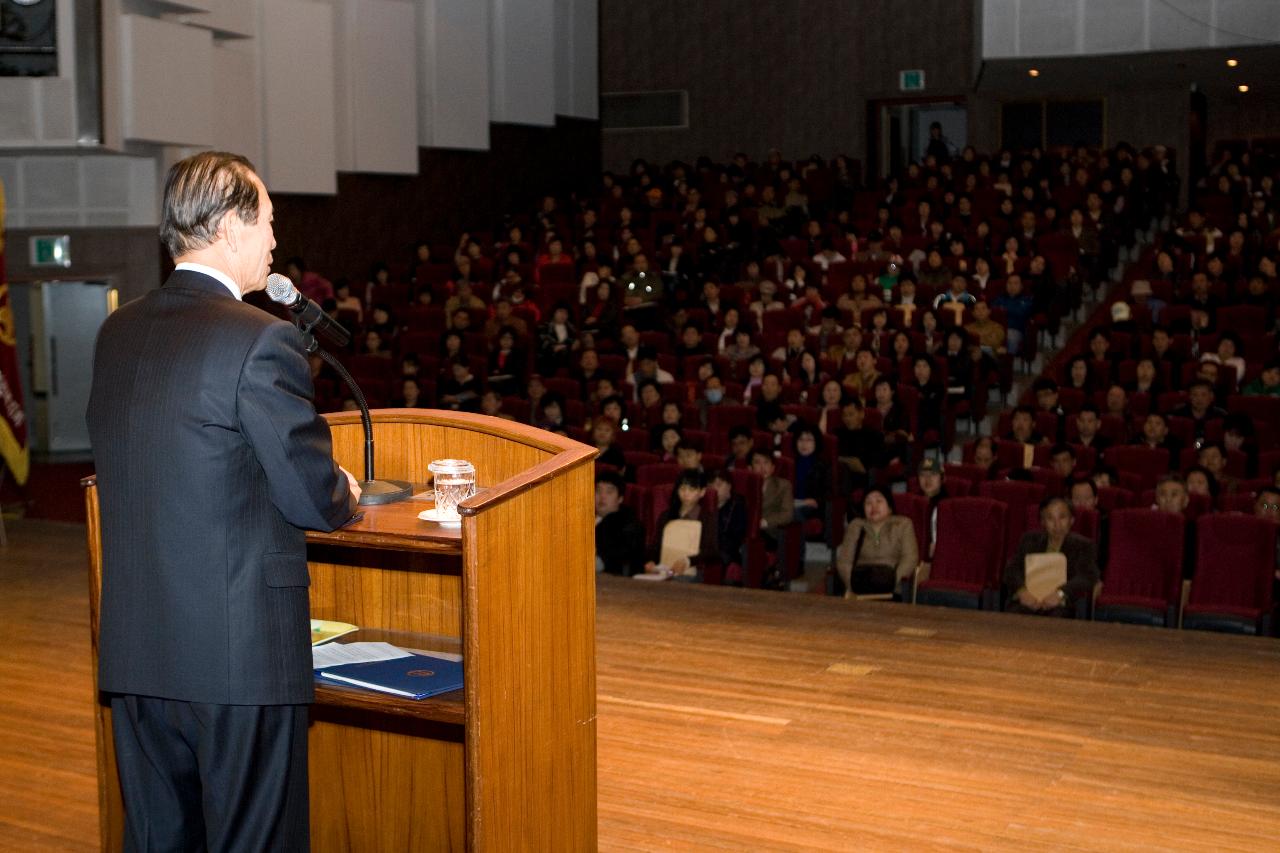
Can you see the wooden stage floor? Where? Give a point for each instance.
(741, 720)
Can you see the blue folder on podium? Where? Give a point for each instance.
(413, 677)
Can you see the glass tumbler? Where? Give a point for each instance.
(455, 481)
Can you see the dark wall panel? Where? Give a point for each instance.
(381, 217)
(794, 75)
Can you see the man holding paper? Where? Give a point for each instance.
(1053, 568)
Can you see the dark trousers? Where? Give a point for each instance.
(197, 776)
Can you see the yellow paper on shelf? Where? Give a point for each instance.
(1046, 574)
(322, 630)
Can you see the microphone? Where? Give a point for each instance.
(309, 315)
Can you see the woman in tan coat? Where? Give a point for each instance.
(879, 550)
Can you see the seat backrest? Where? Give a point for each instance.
(652, 475)
(1144, 554)
(1016, 495)
(1235, 561)
(966, 551)
(916, 508)
(750, 486)
(1149, 463)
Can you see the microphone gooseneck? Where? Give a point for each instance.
(312, 320)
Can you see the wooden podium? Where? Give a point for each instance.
(507, 763)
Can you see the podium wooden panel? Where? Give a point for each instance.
(509, 761)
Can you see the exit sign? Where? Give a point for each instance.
(50, 250)
(911, 80)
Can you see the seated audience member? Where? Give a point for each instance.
(506, 363)
(411, 394)
(1022, 427)
(1104, 476)
(1200, 407)
(830, 400)
(503, 317)
(1163, 353)
(895, 422)
(777, 508)
(879, 549)
(1267, 506)
(742, 348)
(931, 478)
(740, 447)
(956, 299)
(863, 380)
(1017, 305)
(461, 390)
(1062, 458)
(310, 284)
(1172, 494)
(1155, 434)
(1226, 356)
(1055, 537)
(861, 450)
(1200, 481)
(930, 396)
(689, 457)
(1046, 391)
(463, 299)
(603, 433)
(550, 413)
(686, 505)
(491, 405)
(989, 333)
(1079, 375)
(1088, 424)
(1117, 402)
(812, 475)
(1268, 382)
(619, 534)
(1213, 458)
(1083, 494)
(346, 301)
(1146, 379)
(646, 369)
(984, 454)
(1103, 361)
(663, 441)
(731, 527)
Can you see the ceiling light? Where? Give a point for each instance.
(1232, 63)
(1034, 72)
(1243, 87)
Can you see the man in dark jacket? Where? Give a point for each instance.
(211, 460)
(619, 534)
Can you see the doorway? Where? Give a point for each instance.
(899, 131)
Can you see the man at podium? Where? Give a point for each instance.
(211, 460)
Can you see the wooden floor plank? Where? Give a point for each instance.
(739, 720)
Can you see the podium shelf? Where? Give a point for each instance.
(446, 708)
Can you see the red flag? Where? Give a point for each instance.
(13, 419)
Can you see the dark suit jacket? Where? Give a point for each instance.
(1082, 563)
(210, 460)
(620, 542)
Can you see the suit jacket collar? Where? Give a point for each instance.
(192, 280)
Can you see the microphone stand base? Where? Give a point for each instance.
(374, 492)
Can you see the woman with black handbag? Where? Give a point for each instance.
(879, 550)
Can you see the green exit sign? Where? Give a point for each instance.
(911, 80)
(50, 250)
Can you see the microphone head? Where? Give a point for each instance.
(280, 289)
